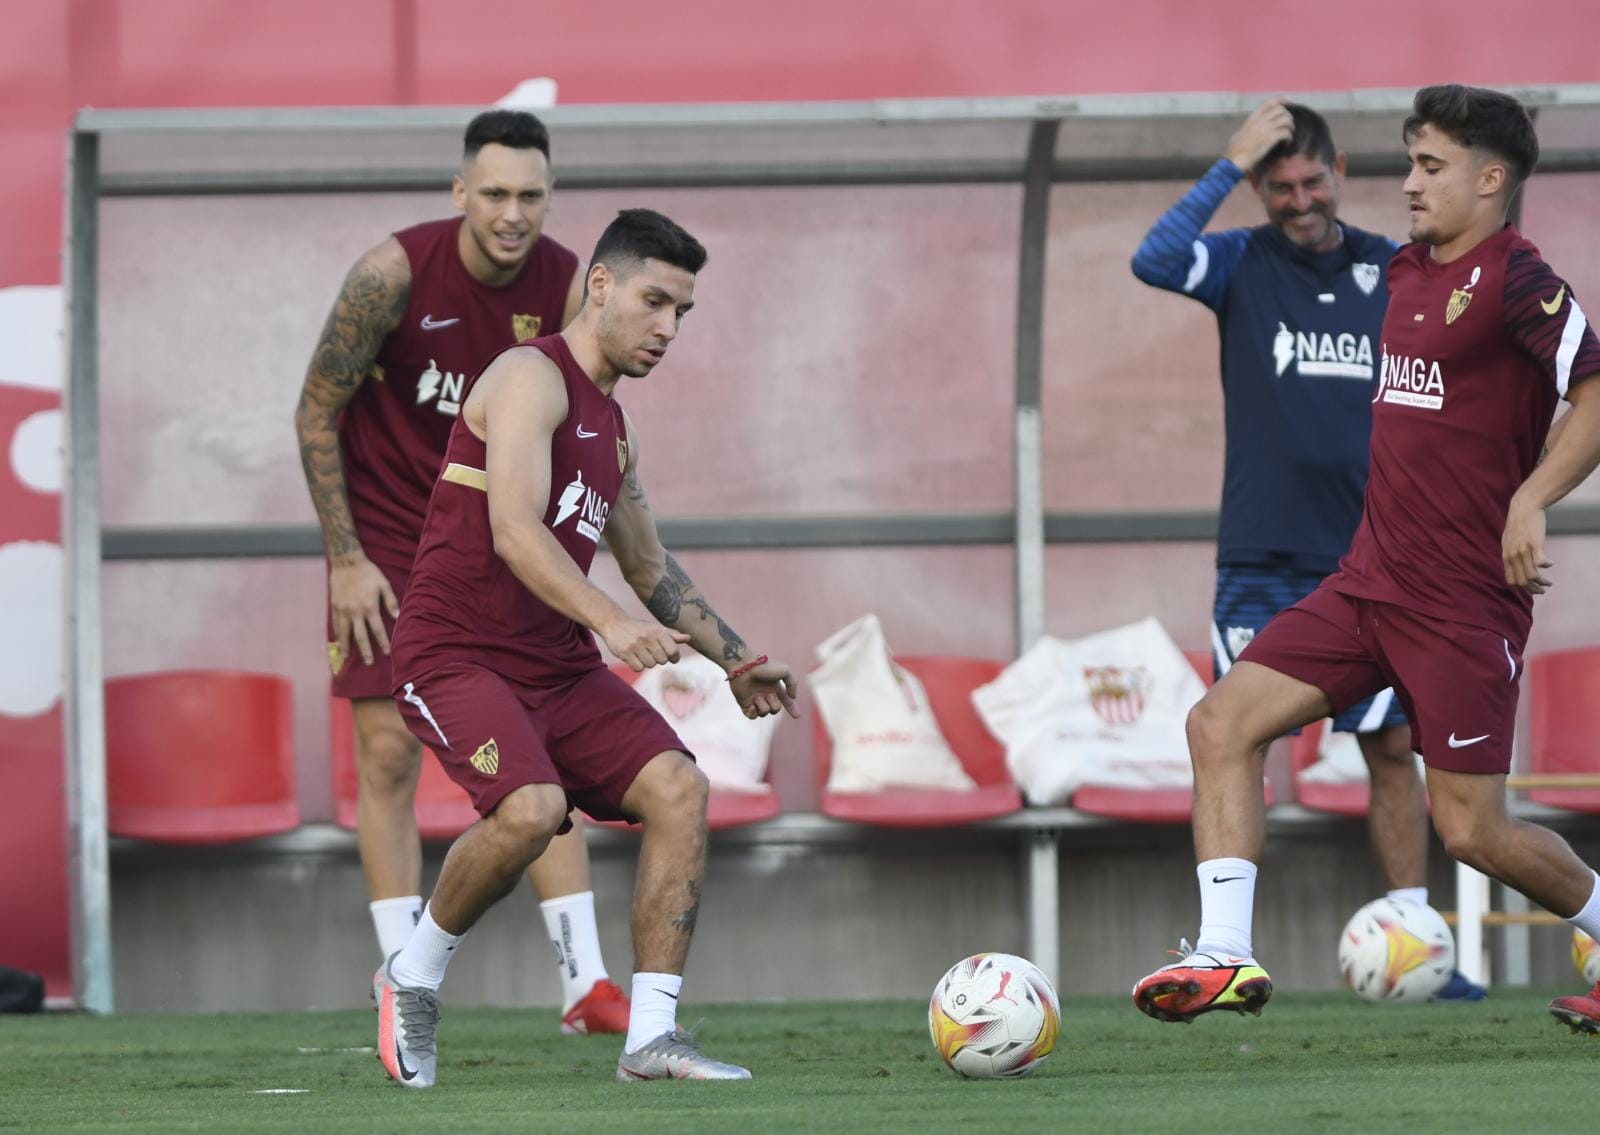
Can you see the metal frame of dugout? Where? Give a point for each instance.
(1033, 143)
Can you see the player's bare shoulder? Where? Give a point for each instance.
(520, 380)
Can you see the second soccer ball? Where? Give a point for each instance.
(1396, 951)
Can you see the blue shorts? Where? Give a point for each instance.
(1247, 599)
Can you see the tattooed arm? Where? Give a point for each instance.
(368, 307)
(673, 598)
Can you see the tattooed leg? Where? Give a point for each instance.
(669, 798)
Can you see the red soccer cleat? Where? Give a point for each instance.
(1203, 983)
(604, 1009)
(1581, 1014)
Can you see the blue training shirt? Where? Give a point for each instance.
(1301, 352)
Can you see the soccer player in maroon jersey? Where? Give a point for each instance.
(1435, 597)
(496, 667)
(415, 316)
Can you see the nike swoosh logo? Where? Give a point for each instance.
(1554, 305)
(664, 993)
(587, 433)
(399, 1058)
(429, 323)
(1229, 879)
(1454, 744)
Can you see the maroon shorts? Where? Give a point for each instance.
(353, 678)
(1458, 683)
(591, 735)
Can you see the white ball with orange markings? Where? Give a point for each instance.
(1393, 950)
(994, 1016)
(1586, 957)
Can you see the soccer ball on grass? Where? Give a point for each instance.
(994, 1016)
(1396, 951)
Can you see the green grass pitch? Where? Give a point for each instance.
(1310, 1064)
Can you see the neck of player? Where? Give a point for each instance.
(584, 344)
(1457, 246)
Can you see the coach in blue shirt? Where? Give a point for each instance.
(1299, 304)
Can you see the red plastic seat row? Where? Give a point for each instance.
(200, 756)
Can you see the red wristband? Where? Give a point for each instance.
(747, 667)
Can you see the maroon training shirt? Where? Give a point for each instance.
(463, 603)
(1476, 353)
(393, 432)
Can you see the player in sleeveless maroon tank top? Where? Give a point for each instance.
(1435, 596)
(416, 317)
(496, 665)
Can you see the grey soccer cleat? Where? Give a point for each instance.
(408, 1026)
(675, 1056)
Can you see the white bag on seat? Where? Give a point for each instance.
(1106, 710)
(693, 695)
(884, 732)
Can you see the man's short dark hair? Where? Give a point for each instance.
(1311, 137)
(1479, 119)
(638, 235)
(514, 128)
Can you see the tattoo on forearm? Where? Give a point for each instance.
(676, 591)
(685, 921)
(369, 306)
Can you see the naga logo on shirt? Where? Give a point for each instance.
(589, 506)
(445, 386)
(1320, 354)
(1409, 381)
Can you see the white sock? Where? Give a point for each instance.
(1588, 919)
(1227, 905)
(421, 962)
(394, 920)
(569, 920)
(655, 1008)
(1418, 895)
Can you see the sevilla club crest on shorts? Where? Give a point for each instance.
(1118, 693)
(487, 759)
(526, 326)
(622, 454)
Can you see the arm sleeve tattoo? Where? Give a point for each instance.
(369, 306)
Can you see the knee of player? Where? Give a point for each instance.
(1466, 838)
(675, 786)
(388, 760)
(1209, 727)
(532, 814)
(1389, 751)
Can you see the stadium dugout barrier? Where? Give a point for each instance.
(125, 163)
(200, 756)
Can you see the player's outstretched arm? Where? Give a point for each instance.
(518, 403)
(369, 306)
(1573, 453)
(762, 687)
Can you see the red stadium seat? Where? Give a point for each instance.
(726, 808)
(1351, 799)
(443, 809)
(200, 756)
(1149, 805)
(1564, 725)
(949, 682)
